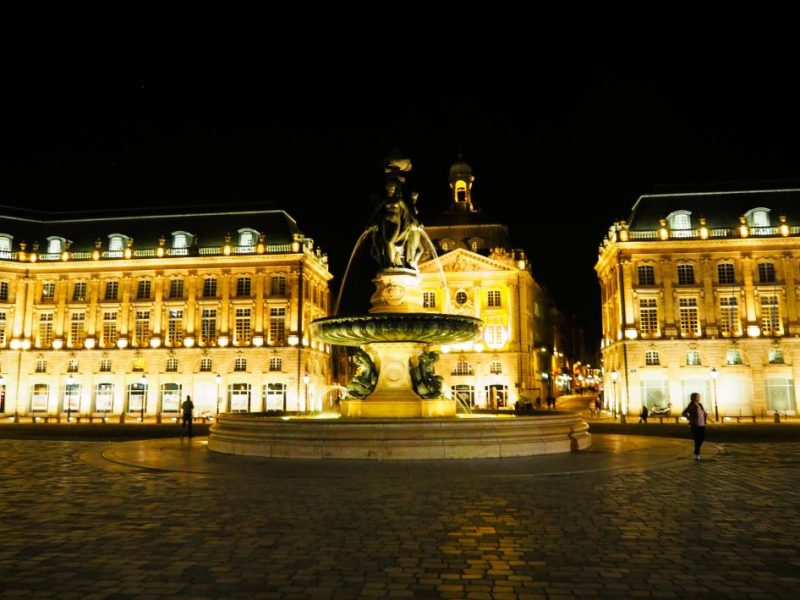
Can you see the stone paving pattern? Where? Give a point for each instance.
(633, 517)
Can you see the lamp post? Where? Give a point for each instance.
(305, 383)
(68, 396)
(2, 393)
(714, 375)
(144, 396)
(218, 379)
(615, 404)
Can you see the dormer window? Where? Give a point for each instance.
(680, 222)
(116, 242)
(248, 237)
(181, 239)
(55, 245)
(6, 241)
(758, 217)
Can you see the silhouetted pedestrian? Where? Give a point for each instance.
(188, 407)
(643, 415)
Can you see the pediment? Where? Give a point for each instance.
(464, 260)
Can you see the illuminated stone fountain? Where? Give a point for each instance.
(394, 407)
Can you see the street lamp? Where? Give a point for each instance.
(68, 396)
(305, 382)
(714, 375)
(218, 379)
(144, 396)
(615, 405)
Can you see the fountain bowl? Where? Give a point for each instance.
(431, 328)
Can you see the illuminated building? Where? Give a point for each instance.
(124, 316)
(488, 279)
(699, 294)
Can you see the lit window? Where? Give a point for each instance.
(181, 239)
(429, 299)
(208, 326)
(176, 289)
(172, 365)
(48, 292)
(729, 323)
(770, 315)
(205, 364)
(174, 327)
(77, 330)
(690, 326)
(647, 275)
(243, 331)
(247, 237)
(733, 357)
(775, 356)
(116, 243)
(693, 358)
(3, 324)
(462, 368)
(275, 364)
(240, 364)
(41, 366)
(142, 329)
(45, 330)
(105, 365)
(648, 316)
(651, 358)
(495, 368)
(493, 298)
(79, 291)
(681, 224)
(55, 245)
(277, 326)
(5, 243)
(112, 290)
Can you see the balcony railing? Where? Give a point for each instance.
(720, 232)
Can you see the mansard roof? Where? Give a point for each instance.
(209, 225)
(720, 208)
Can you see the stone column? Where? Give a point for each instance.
(750, 311)
(709, 308)
(667, 267)
(789, 279)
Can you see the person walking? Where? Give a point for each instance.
(188, 407)
(697, 416)
(643, 415)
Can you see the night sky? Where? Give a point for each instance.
(572, 147)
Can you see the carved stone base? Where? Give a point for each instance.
(393, 408)
(396, 291)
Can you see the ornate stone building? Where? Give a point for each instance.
(699, 294)
(117, 316)
(481, 275)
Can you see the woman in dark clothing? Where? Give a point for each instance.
(697, 416)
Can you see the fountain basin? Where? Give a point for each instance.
(429, 328)
(484, 436)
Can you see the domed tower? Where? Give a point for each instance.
(461, 179)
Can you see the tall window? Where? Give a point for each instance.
(142, 329)
(243, 287)
(651, 358)
(278, 285)
(246, 238)
(109, 329)
(143, 290)
(693, 358)
(210, 287)
(733, 357)
(3, 323)
(206, 364)
(112, 290)
(766, 272)
(175, 327)
(495, 336)
(3, 291)
(208, 326)
(429, 299)
(688, 315)
(45, 330)
(48, 291)
(105, 365)
(243, 332)
(176, 289)
(729, 316)
(54, 245)
(462, 368)
(648, 316)
(647, 275)
(275, 364)
(172, 365)
(240, 364)
(79, 291)
(77, 332)
(116, 243)
(775, 356)
(493, 298)
(770, 315)
(681, 225)
(277, 326)
(685, 274)
(726, 274)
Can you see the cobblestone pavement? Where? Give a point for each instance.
(632, 517)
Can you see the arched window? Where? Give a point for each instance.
(116, 242)
(680, 222)
(6, 241)
(181, 239)
(758, 217)
(55, 244)
(247, 237)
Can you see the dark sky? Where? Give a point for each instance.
(571, 146)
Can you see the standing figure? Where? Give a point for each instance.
(697, 416)
(643, 414)
(188, 407)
